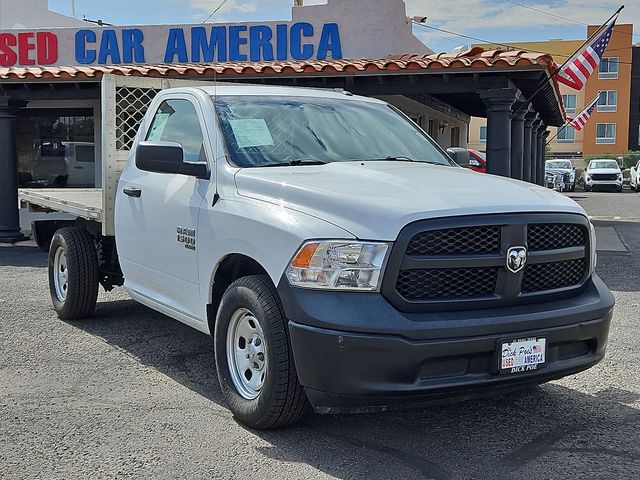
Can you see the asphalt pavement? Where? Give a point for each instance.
(131, 393)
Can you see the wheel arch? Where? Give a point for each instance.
(229, 269)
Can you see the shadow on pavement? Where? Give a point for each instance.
(487, 438)
(22, 255)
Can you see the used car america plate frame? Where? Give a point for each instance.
(522, 355)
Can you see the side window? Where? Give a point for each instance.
(177, 121)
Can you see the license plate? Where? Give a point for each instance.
(522, 355)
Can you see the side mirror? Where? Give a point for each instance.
(460, 156)
(167, 157)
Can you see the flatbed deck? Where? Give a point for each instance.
(80, 202)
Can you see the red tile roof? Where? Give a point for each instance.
(476, 58)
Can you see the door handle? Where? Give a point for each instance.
(132, 192)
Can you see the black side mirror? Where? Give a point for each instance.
(460, 155)
(167, 157)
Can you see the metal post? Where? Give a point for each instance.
(526, 157)
(499, 102)
(517, 144)
(9, 213)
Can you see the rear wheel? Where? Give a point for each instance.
(73, 273)
(254, 359)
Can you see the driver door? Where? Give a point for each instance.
(158, 213)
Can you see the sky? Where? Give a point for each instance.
(499, 21)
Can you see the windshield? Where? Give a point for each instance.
(559, 164)
(597, 164)
(268, 131)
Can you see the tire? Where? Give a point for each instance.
(618, 189)
(637, 187)
(73, 273)
(280, 399)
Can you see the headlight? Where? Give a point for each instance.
(592, 243)
(619, 176)
(338, 265)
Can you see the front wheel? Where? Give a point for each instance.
(254, 358)
(73, 273)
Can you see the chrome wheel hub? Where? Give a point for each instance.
(246, 353)
(60, 274)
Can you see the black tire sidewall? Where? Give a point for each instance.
(258, 412)
(61, 306)
(82, 280)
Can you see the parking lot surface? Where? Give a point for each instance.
(131, 393)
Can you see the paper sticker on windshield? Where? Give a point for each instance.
(251, 132)
(157, 127)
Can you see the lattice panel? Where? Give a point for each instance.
(131, 106)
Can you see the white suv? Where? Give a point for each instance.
(635, 177)
(603, 173)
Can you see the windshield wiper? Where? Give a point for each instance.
(402, 158)
(296, 162)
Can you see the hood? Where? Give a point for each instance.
(375, 200)
(604, 170)
(563, 170)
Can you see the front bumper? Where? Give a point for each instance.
(604, 183)
(356, 352)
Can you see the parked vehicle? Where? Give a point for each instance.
(566, 167)
(335, 253)
(555, 180)
(472, 159)
(62, 164)
(603, 173)
(635, 177)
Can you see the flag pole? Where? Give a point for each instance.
(544, 81)
(563, 127)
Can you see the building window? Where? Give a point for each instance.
(569, 103)
(566, 135)
(608, 101)
(483, 134)
(455, 136)
(608, 68)
(605, 133)
(433, 133)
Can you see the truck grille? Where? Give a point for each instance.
(549, 276)
(447, 283)
(551, 236)
(604, 176)
(462, 262)
(456, 241)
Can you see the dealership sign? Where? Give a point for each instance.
(188, 44)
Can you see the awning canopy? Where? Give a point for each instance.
(456, 79)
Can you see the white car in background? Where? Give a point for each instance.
(564, 167)
(603, 173)
(635, 177)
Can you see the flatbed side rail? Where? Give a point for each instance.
(83, 203)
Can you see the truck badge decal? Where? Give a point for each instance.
(187, 236)
(516, 259)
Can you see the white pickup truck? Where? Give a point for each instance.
(337, 256)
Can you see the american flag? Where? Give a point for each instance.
(580, 120)
(581, 65)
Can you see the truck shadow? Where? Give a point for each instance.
(552, 428)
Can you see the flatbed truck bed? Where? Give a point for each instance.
(84, 203)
